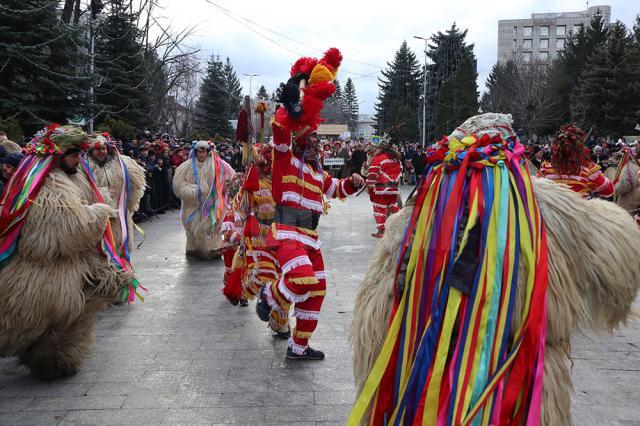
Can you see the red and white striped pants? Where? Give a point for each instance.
(302, 283)
(381, 211)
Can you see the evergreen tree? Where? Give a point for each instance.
(500, 88)
(398, 96)
(334, 111)
(212, 106)
(233, 89)
(457, 99)
(447, 51)
(41, 72)
(571, 62)
(122, 86)
(607, 96)
(351, 105)
(262, 94)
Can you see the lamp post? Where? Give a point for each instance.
(250, 80)
(424, 92)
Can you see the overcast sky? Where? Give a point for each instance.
(367, 33)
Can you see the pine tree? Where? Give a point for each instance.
(351, 105)
(447, 51)
(262, 94)
(571, 61)
(122, 86)
(457, 99)
(212, 106)
(607, 96)
(234, 91)
(334, 111)
(41, 72)
(398, 96)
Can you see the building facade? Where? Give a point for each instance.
(539, 38)
(366, 127)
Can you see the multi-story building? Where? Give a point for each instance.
(539, 38)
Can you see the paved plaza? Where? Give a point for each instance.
(187, 356)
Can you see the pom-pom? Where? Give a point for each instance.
(332, 58)
(233, 286)
(261, 107)
(303, 65)
(251, 227)
(252, 181)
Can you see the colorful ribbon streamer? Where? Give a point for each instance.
(454, 353)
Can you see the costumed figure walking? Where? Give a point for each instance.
(123, 179)
(571, 165)
(383, 182)
(199, 183)
(298, 187)
(58, 259)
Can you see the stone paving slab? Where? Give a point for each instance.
(185, 356)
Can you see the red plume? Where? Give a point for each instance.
(233, 286)
(332, 58)
(251, 227)
(252, 181)
(303, 65)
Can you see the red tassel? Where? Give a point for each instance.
(233, 286)
(242, 129)
(252, 181)
(251, 227)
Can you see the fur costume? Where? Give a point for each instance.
(587, 288)
(55, 281)
(10, 146)
(109, 178)
(203, 238)
(627, 188)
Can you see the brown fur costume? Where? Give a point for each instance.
(593, 280)
(110, 177)
(55, 283)
(202, 240)
(10, 146)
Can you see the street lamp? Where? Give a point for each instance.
(424, 92)
(250, 79)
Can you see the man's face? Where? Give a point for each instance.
(7, 171)
(539, 155)
(69, 163)
(99, 152)
(144, 153)
(201, 155)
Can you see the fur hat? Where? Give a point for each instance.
(200, 145)
(56, 139)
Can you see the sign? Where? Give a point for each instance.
(375, 140)
(345, 135)
(333, 162)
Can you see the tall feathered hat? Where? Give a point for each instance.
(567, 149)
(57, 140)
(303, 95)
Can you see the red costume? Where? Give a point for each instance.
(571, 165)
(383, 180)
(298, 187)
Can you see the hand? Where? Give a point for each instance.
(356, 180)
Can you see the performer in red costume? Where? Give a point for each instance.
(571, 165)
(298, 187)
(383, 182)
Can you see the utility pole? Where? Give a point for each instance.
(424, 92)
(250, 80)
(91, 71)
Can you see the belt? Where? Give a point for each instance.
(267, 222)
(386, 185)
(291, 216)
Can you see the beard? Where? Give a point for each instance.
(68, 169)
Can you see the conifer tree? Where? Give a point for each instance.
(262, 94)
(212, 106)
(233, 89)
(350, 105)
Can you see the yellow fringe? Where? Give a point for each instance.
(303, 280)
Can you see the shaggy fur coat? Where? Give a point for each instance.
(109, 180)
(56, 282)
(202, 239)
(593, 281)
(627, 190)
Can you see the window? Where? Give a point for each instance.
(577, 28)
(526, 44)
(515, 44)
(544, 31)
(559, 43)
(561, 30)
(544, 43)
(528, 32)
(543, 56)
(513, 55)
(526, 57)
(515, 31)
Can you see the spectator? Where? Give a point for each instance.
(9, 165)
(419, 162)
(358, 158)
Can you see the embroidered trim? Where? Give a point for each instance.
(292, 235)
(296, 348)
(302, 201)
(306, 315)
(295, 262)
(289, 295)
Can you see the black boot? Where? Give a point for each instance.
(262, 307)
(310, 354)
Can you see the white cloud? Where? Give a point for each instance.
(364, 32)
